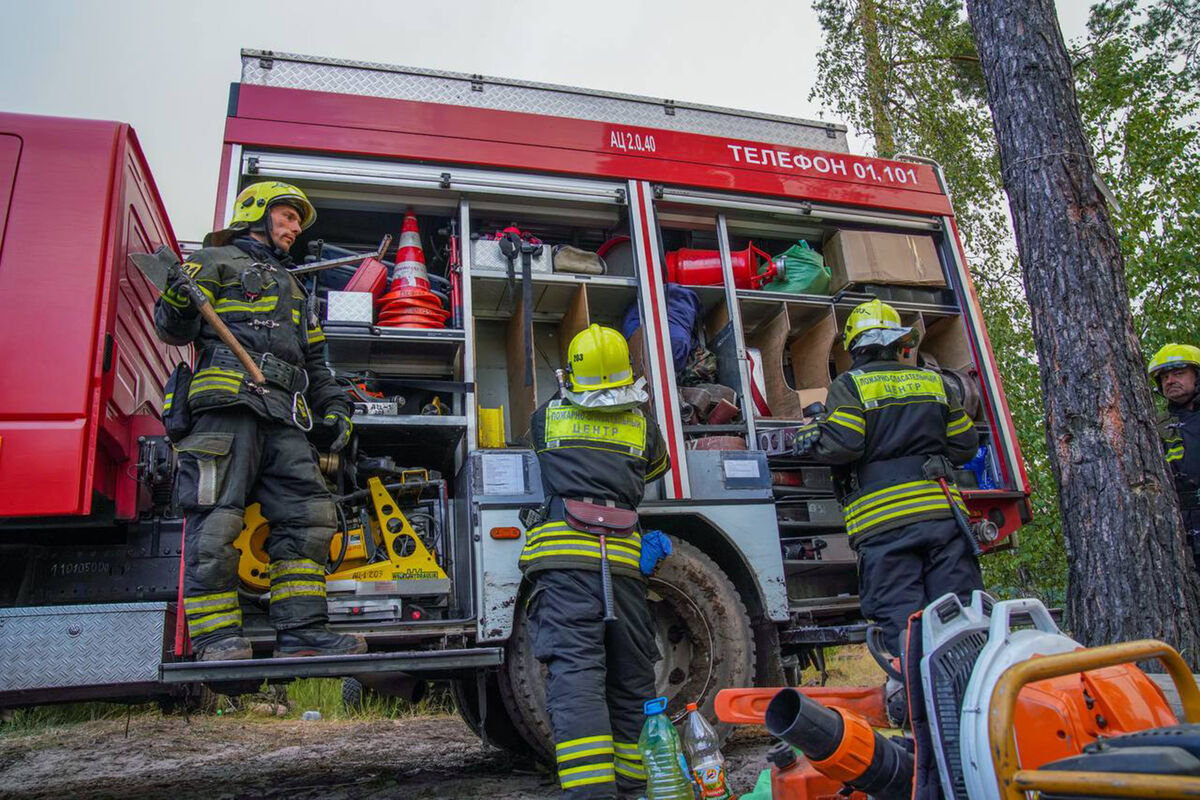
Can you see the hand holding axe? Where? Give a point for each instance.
(162, 268)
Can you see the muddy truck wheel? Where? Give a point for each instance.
(703, 634)
(495, 726)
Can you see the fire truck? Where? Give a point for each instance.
(425, 564)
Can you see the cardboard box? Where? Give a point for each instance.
(350, 307)
(872, 257)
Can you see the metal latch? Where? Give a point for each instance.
(830, 131)
(265, 61)
(669, 107)
(252, 165)
(476, 83)
(445, 182)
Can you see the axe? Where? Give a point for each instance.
(158, 268)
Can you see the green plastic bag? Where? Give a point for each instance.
(804, 271)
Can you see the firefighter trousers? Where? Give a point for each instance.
(230, 458)
(598, 677)
(905, 569)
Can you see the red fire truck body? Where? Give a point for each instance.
(92, 545)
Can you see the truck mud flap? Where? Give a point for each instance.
(442, 662)
(82, 652)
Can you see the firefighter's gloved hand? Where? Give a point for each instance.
(806, 439)
(655, 547)
(342, 430)
(177, 294)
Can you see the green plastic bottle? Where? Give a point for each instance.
(662, 755)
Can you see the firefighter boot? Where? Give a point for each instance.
(317, 641)
(230, 648)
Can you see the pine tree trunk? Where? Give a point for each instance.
(1130, 573)
(876, 74)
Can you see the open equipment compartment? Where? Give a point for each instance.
(562, 303)
(409, 390)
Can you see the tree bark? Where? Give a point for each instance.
(876, 75)
(1130, 573)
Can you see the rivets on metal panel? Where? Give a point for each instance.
(74, 630)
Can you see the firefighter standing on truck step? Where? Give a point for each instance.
(894, 425)
(596, 450)
(239, 443)
(1175, 370)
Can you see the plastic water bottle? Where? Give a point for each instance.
(703, 750)
(662, 755)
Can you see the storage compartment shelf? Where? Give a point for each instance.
(608, 296)
(391, 351)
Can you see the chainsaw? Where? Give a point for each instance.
(1002, 705)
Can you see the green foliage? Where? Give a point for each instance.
(1138, 84)
(936, 107)
(907, 74)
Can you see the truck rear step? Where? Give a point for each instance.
(423, 661)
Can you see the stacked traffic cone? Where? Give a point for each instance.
(409, 303)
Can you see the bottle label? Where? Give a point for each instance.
(711, 781)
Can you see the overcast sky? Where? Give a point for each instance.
(165, 65)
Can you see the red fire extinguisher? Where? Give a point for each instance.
(703, 267)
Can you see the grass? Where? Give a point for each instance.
(850, 665)
(309, 694)
(34, 720)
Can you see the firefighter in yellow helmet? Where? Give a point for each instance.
(239, 443)
(1175, 370)
(596, 450)
(899, 432)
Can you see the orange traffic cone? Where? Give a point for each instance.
(409, 303)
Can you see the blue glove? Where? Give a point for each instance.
(655, 547)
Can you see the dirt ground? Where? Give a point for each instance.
(242, 756)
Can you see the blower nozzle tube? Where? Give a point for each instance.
(841, 744)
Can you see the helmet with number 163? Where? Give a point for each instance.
(598, 358)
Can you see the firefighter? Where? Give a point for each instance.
(899, 433)
(247, 443)
(1175, 370)
(597, 450)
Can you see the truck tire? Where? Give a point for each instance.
(704, 636)
(497, 727)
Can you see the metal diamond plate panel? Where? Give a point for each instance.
(52, 647)
(343, 76)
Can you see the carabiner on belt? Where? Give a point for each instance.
(299, 404)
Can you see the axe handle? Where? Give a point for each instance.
(210, 316)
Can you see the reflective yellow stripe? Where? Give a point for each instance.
(298, 566)
(1175, 453)
(585, 740)
(628, 750)
(589, 774)
(176, 299)
(316, 336)
(916, 497)
(847, 420)
(637, 772)
(288, 589)
(961, 425)
(213, 601)
(212, 622)
(876, 387)
(900, 490)
(571, 423)
(229, 305)
(296, 316)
